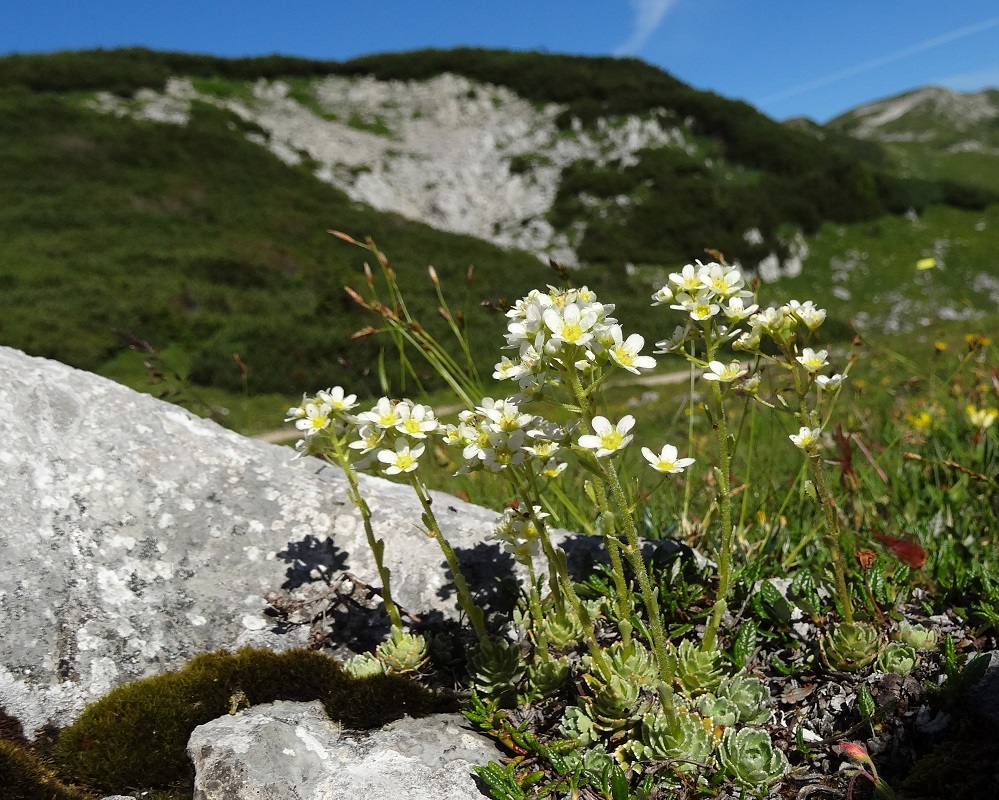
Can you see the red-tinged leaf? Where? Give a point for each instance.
(905, 550)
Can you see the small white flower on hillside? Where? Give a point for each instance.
(674, 343)
(666, 461)
(507, 369)
(625, 353)
(736, 310)
(402, 459)
(813, 361)
(981, 417)
(296, 412)
(749, 341)
(775, 321)
(663, 296)
(806, 438)
(698, 305)
(571, 324)
(385, 414)
(811, 316)
(416, 421)
(830, 382)
(371, 437)
(316, 418)
(723, 281)
(553, 468)
(688, 279)
(607, 439)
(505, 415)
(337, 400)
(724, 373)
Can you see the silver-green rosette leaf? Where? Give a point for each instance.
(614, 705)
(404, 652)
(670, 734)
(547, 676)
(850, 646)
(496, 667)
(364, 666)
(633, 662)
(721, 711)
(749, 695)
(749, 758)
(697, 671)
(898, 658)
(916, 636)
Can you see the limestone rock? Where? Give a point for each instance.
(138, 535)
(293, 750)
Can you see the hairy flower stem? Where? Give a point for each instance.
(377, 545)
(725, 552)
(633, 552)
(826, 502)
(617, 567)
(557, 557)
(465, 600)
(534, 602)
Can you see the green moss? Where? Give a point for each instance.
(24, 776)
(137, 735)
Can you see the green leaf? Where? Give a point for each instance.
(804, 593)
(619, 784)
(501, 782)
(865, 702)
(745, 642)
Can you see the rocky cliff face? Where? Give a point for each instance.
(458, 155)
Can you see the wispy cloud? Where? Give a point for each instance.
(898, 55)
(648, 15)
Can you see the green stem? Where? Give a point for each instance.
(465, 600)
(377, 545)
(633, 553)
(725, 552)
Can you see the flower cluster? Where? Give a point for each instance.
(391, 434)
(561, 330)
(498, 434)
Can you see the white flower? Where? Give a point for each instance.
(371, 437)
(666, 460)
(724, 373)
(507, 369)
(698, 305)
(505, 415)
(674, 343)
(553, 468)
(807, 312)
(385, 414)
(982, 418)
(625, 353)
(830, 382)
(806, 438)
(811, 360)
(723, 281)
(689, 278)
(607, 439)
(337, 400)
(662, 296)
(416, 420)
(403, 459)
(317, 418)
(572, 324)
(736, 310)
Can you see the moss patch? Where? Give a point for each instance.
(137, 735)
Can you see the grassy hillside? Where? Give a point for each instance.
(205, 245)
(193, 236)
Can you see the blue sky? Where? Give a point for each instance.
(787, 57)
